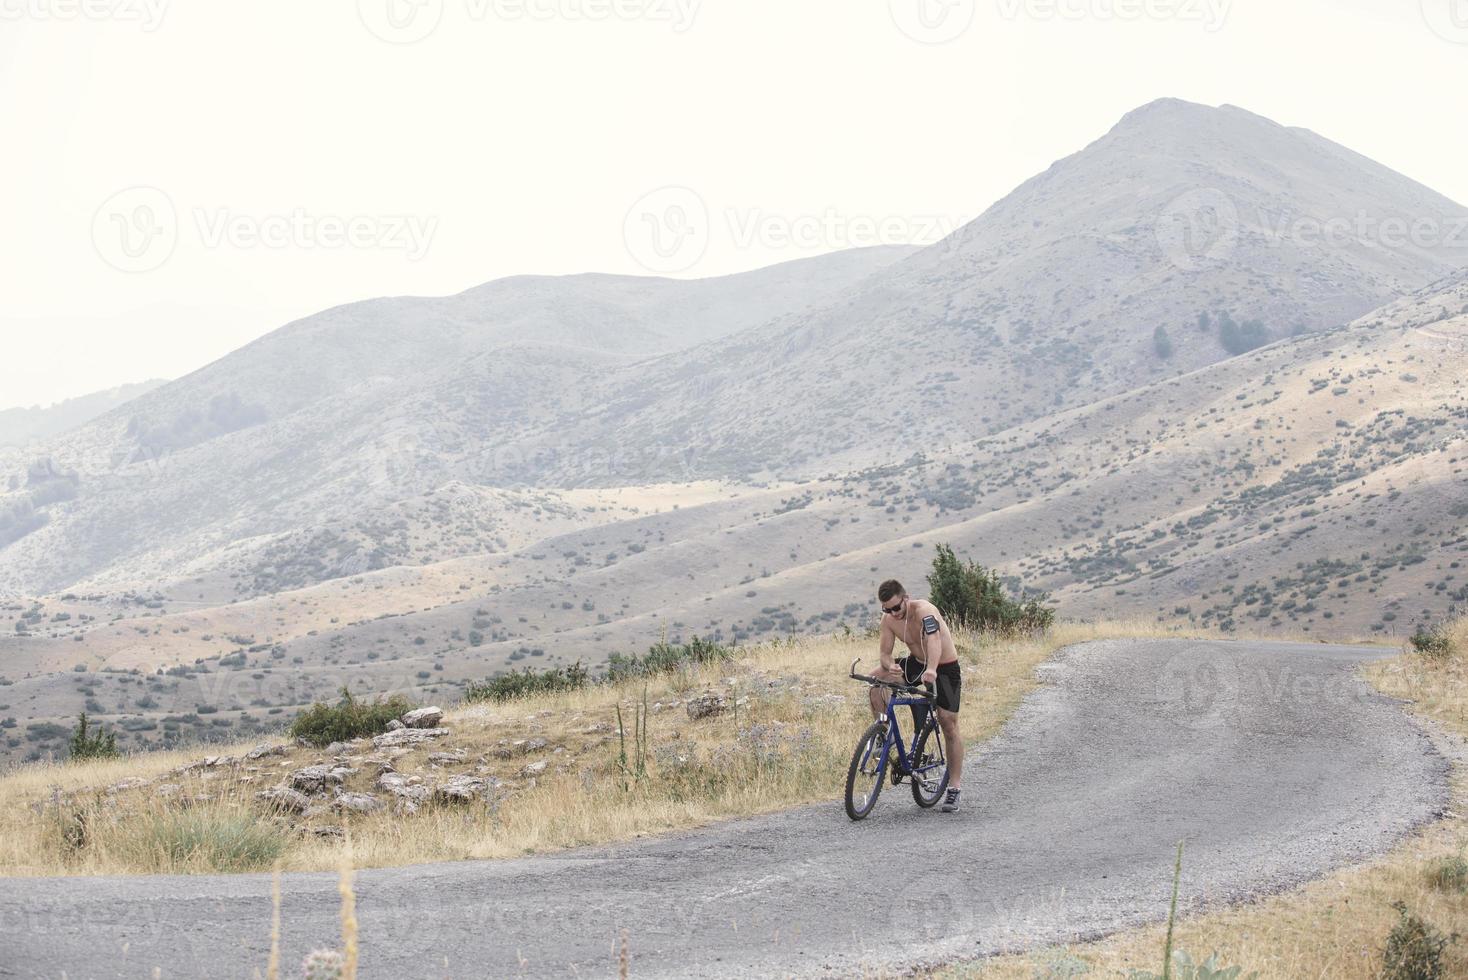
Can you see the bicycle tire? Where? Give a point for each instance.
(930, 731)
(868, 750)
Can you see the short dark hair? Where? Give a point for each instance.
(890, 589)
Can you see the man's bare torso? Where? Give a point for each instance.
(909, 630)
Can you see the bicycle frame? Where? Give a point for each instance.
(894, 734)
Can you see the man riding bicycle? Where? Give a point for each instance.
(932, 659)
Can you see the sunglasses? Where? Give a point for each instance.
(893, 610)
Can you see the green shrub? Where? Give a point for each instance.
(1162, 343)
(92, 743)
(523, 683)
(1449, 875)
(664, 658)
(322, 724)
(1433, 642)
(973, 597)
(1241, 338)
(205, 840)
(1414, 949)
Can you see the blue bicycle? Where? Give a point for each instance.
(924, 764)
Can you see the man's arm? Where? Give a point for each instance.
(885, 650)
(932, 644)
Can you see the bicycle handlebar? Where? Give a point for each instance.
(893, 685)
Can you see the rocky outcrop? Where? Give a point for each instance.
(356, 803)
(285, 799)
(463, 788)
(408, 792)
(315, 779)
(407, 736)
(423, 717)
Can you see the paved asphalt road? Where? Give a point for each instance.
(1271, 760)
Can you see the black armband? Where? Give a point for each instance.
(930, 625)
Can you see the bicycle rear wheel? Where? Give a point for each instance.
(864, 778)
(930, 766)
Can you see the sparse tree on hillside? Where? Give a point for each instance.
(972, 596)
(1162, 343)
(90, 743)
(1241, 338)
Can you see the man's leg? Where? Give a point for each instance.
(952, 747)
(879, 697)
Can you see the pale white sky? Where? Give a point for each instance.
(182, 176)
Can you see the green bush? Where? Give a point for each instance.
(1449, 875)
(1433, 643)
(92, 743)
(1414, 949)
(664, 658)
(1241, 338)
(659, 659)
(322, 724)
(523, 683)
(973, 597)
(205, 840)
(1162, 343)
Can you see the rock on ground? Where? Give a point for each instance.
(423, 717)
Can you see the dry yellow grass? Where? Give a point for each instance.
(787, 743)
(1331, 929)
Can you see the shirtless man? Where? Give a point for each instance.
(931, 659)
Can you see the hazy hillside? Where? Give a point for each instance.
(23, 426)
(335, 416)
(1319, 484)
(1049, 300)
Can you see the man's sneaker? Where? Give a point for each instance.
(950, 802)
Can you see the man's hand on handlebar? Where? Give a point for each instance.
(892, 675)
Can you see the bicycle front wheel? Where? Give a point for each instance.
(930, 768)
(864, 778)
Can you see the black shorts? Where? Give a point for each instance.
(950, 680)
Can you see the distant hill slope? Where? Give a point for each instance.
(24, 426)
(1049, 302)
(1051, 299)
(338, 415)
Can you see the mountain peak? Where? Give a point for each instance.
(1164, 110)
(1171, 112)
